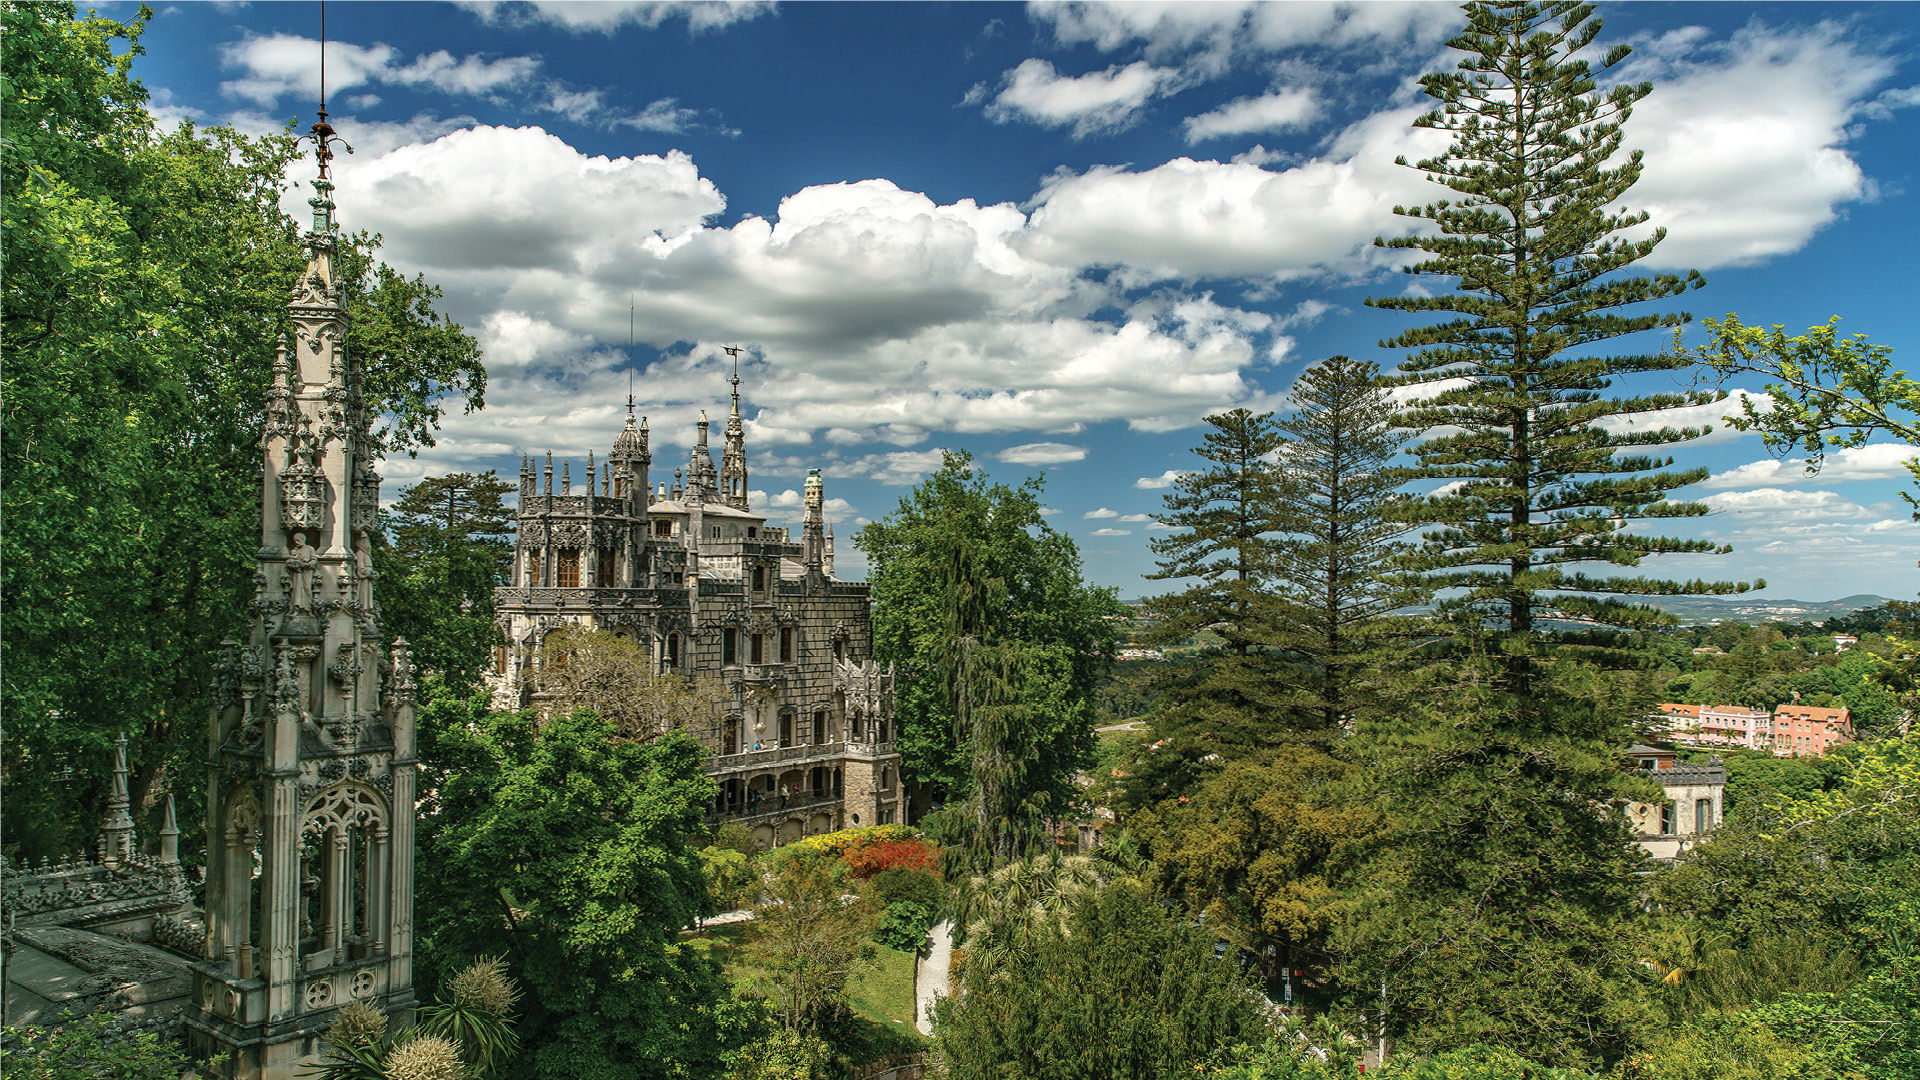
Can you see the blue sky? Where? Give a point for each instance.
(1053, 235)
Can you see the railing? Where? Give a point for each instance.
(779, 755)
(774, 808)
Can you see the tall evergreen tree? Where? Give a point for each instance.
(1224, 701)
(1493, 913)
(447, 543)
(1336, 505)
(1539, 483)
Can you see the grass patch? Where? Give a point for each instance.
(880, 994)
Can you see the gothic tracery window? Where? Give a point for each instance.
(566, 568)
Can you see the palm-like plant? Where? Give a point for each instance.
(473, 1014)
(1001, 910)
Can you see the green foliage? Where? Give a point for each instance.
(1128, 989)
(728, 871)
(808, 937)
(79, 1051)
(563, 849)
(1222, 517)
(1338, 508)
(890, 886)
(963, 558)
(1540, 486)
(786, 1054)
(474, 1012)
(1254, 849)
(144, 294)
(904, 925)
(1823, 390)
(447, 543)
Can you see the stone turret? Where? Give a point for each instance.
(811, 524)
(733, 460)
(310, 755)
(701, 483)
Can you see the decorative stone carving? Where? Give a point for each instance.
(303, 490)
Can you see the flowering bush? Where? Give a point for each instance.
(910, 854)
(839, 843)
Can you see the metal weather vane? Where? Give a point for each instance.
(321, 134)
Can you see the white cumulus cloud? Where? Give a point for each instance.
(276, 65)
(1042, 453)
(1879, 461)
(1164, 480)
(1103, 512)
(606, 16)
(1254, 115)
(1090, 104)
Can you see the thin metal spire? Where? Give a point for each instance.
(629, 355)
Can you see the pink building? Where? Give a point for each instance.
(1809, 731)
(1732, 726)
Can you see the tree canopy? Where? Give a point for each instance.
(144, 296)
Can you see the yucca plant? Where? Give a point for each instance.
(472, 1013)
(425, 1057)
(356, 1046)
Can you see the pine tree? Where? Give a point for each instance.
(1537, 481)
(1337, 508)
(1225, 700)
(1493, 913)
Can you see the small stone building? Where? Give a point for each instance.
(805, 742)
(1694, 803)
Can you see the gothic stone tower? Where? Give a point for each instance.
(310, 757)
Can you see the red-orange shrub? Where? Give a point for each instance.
(869, 859)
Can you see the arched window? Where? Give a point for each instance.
(606, 575)
(566, 568)
(533, 569)
(886, 778)
(343, 873)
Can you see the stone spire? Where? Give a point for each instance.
(630, 459)
(812, 522)
(701, 483)
(310, 753)
(828, 562)
(733, 458)
(116, 832)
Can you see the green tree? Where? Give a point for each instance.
(1337, 508)
(144, 295)
(1539, 482)
(446, 545)
(616, 677)
(1255, 850)
(1126, 990)
(1225, 700)
(563, 848)
(1493, 911)
(1823, 390)
(809, 934)
(964, 557)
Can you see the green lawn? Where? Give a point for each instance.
(880, 992)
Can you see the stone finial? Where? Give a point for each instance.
(116, 833)
(566, 478)
(549, 473)
(170, 837)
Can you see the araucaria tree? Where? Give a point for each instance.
(1338, 512)
(1544, 471)
(1492, 913)
(1222, 547)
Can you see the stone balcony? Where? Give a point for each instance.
(772, 808)
(807, 754)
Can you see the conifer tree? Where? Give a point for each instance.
(1540, 483)
(1493, 913)
(1225, 701)
(1337, 508)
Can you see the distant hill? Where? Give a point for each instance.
(1752, 607)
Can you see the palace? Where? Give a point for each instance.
(804, 743)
